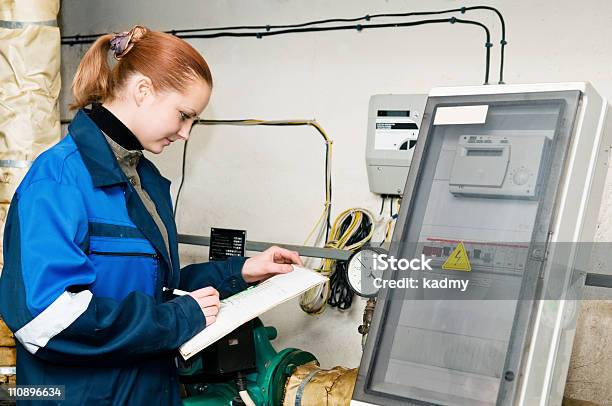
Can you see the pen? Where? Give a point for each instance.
(175, 292)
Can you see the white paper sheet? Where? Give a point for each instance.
(246, 305)
(461, 115)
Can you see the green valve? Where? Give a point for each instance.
(266, 385)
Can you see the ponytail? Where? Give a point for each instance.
(170, 63)
(93, 80)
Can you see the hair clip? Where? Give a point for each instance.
(122, 42)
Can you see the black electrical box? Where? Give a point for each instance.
(233, 353)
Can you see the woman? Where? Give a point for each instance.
(90, 243)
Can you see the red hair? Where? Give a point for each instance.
(170, 63)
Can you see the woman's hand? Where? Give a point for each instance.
(208, 299)
(273, 261)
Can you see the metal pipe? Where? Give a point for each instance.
(305, 251)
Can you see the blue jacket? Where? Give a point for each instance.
(84, 267)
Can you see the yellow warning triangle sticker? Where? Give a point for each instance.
(458, 260)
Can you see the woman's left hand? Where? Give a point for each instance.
(273, 261)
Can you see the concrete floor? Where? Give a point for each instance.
(590, 374)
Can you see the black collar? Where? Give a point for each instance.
(114, 128)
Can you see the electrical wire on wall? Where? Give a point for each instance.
(315, 26)
(390, 222)
(351, 230)
(359, 28)
(180, 188)
(323, 223)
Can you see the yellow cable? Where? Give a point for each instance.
(325, 208)
(314, 301)
(313, 123)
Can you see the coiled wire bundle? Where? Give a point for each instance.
(351, 230)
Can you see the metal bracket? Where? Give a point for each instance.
(306, 251)
(598, 280)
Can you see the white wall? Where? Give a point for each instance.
(270, 180)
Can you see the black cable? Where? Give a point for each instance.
(178, 193)
(488, 43)
(240, 27)
(503, 41)
(382, 205)
(89, 38)
(462, 10)
(358, 27)
(341, 295)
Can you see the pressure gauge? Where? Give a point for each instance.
(361, 272)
